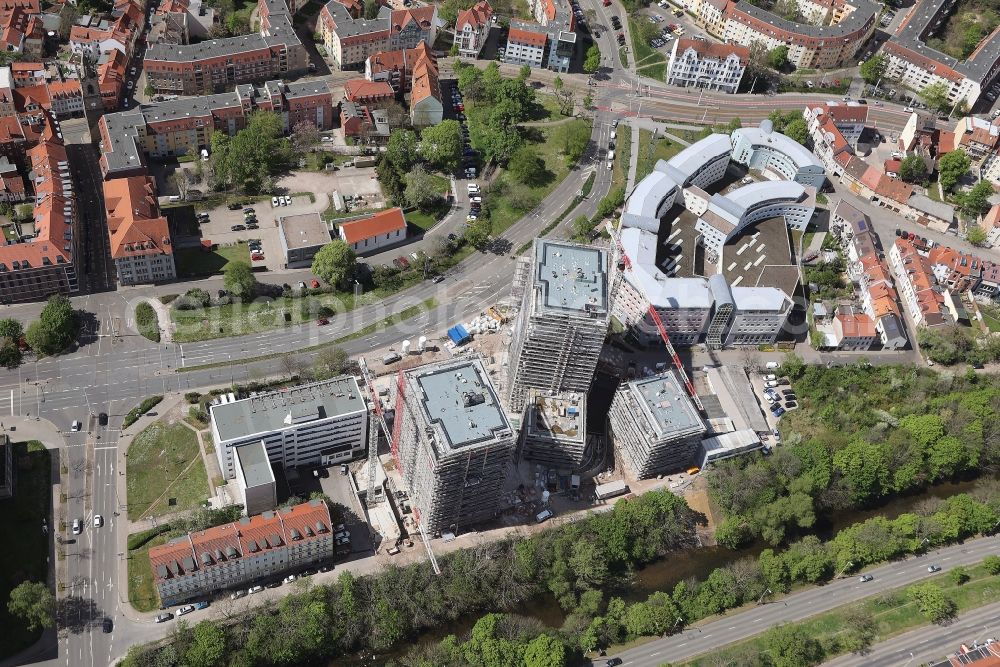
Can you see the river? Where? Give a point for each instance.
(665, 573)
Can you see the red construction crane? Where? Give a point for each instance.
(397, 419)
(654, 315)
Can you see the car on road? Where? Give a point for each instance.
(102, 419)
(107, 625)
(438, 279)
(238, 594)
(186, 609)
(75, 426)
(289, 579)
(613, 662)
(98, 521)
(255, 589)
(77, 526)
(934, 568)
(163, 618)
(322, 321)
(865, 578)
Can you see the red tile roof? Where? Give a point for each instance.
(134, 219)
(705, 48)
(363, 90)
(479, 15)
(380, 223)
(519, 36)
(856, 325)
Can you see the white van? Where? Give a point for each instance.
(611, 156)
(543, 516)
(771, 365)
(472, 187)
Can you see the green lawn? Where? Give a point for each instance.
(420, 220)
(656, 71)
(503, 210)
(990, 320)
(623, 156)
(648, 61)
(164, 460)
(141, 590)
(193, 262)
(650, 151)
(892, 612)
(24, 554)
(238, 319)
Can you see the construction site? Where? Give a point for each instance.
(526, 414)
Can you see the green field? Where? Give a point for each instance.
(650, 151)
(192, 262)
(163, 463)
(141, 590)
(892, 612)
(648, 61)
(24, 555)
(422, 221)
(623, 156)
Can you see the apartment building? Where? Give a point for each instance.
(92, 35)
(956, 270)
(184, 126)
(541, 45)
(765, 150)
(140, 236)
(249, 551)
(472, 29)
(560, 329)
(111, 72)
(697, 63)
(364, 91)
(349, 41)
(301, 237)
(12, 187)
(321, 423)
(831, 38)
(214, 65)
(525, 47)
(554, 429)
(414, 74)
(36, 267)
(916, 284)
(854, 331)
(916, 65)
(655, 427)
(454, 444)
(255, 488)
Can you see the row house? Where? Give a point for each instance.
(472, 29)
(247, 551)
(350, 40)
(12, 188)
(916, 283)
(22, 31)
(853, 331)
(111, 77)
(139, 235)
(412, 72)
(697, 63)
(364, 91)
(185, 126)
(36, 267)
(217, 64)
(962, 273)
(92, 36)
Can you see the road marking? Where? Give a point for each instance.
(101, 449)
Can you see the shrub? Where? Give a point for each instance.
(167, 298)
(198, 414)
(144, 407)
(192, 397)
(147, 322)
(138, 540)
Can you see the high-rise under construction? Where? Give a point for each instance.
(453, 443)
(560, 329)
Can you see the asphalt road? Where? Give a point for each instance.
(702, 638)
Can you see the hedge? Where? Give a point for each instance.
(147, 322)
(144, 407)
(138, 540)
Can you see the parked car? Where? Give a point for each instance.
(289, 579)
(325, 568)
(771, 383)
(274, 202)
(237, 228)
(341, 541)
(238, 594)
(201, 605)
(162, 618)
(233, 206)
(791, 405)
(77, 526)
(778, 411)
(342, 534)
(186, 609)
(344, 469)
(255, 589)
(771, 365)
(98, 521)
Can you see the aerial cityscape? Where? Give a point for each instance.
(496, 333)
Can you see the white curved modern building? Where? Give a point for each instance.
(767, 151)
(709, 308)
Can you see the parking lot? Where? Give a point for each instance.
(775, 400)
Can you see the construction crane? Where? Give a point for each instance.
(376, 419)
(657, 321)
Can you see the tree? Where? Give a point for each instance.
(249, 157)
(975, 235)
(335, 263)
(792, 646)
(913, 169)
(401, 150)
(441, 145)
(527, 166)
(11, 328)
(330, 362)
(207, 647)
(958, 575)
(477, 234)
(240, 281)
(936, 96)
(777, 58)
(951, 167)
(932, 602)
(992, 564)
(574, 138)
(798, 131)
(545, 651)
(56, 328)
(592, 62)
(149, 90)
(305, 135)
(976, 201)
(10, 353)
(524, 73)
(582, 228)
(873, 69)
(33, 603)
(564, 96)
(421, 189)
(861, 630)
(371, 9)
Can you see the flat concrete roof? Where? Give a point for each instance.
(561, 417)
(923, 21)
(460, 398)
(573, 277)
(279, 410)
(255, 464)
(305, 230)
(666, 401)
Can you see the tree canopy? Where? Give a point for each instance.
(951, 167)
(56, 328)
(873, 69)
(527, 166)
(592, 61)
(247, 159)
(777, 57)
(441, 145)
(33, 602)
(240, 281)
(913, 169)
(335, 263)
